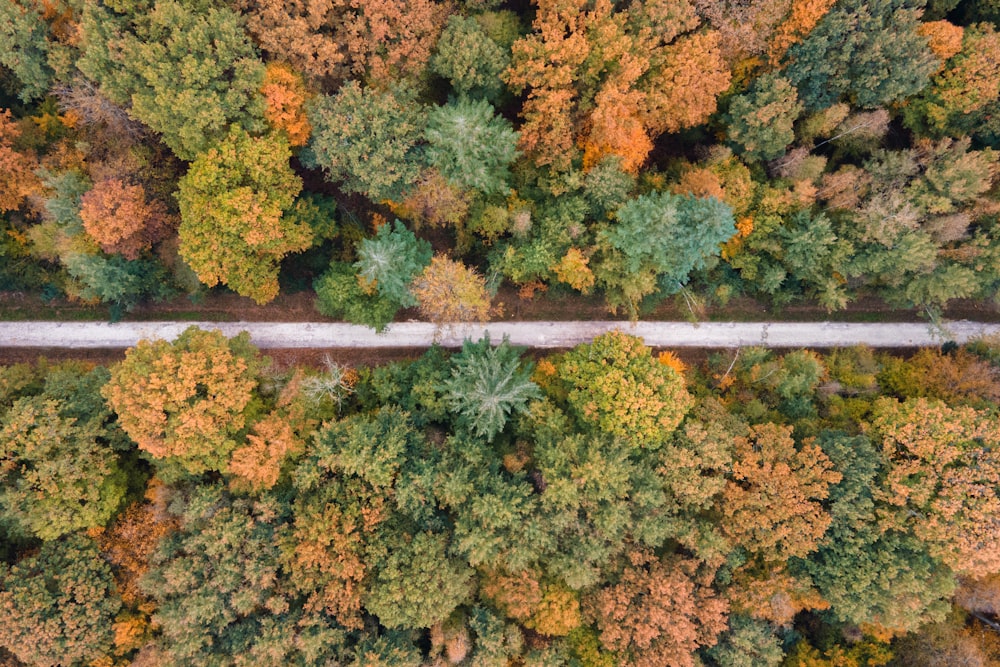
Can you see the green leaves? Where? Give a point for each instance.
(391, 260)
(488, 385)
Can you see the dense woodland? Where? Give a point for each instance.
(197, 504)
(420, 153)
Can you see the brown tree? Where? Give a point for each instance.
(659, 613)
(122, 219)
(285, 95)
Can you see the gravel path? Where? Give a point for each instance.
(530, 334)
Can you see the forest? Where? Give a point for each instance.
(608, 505)
(394, 154)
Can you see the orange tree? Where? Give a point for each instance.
(186, 402)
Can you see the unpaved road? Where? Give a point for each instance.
(530, 334)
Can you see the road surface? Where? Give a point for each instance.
(529, 334)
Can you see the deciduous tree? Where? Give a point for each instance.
(58, 604)
(186, 401)
(614, 385)
(368, 138)
(17, 177)
(285, 97)
(469, 59)
(760, 121)
(449, 291)
(122, 219)
(232, 201)
(659, 612)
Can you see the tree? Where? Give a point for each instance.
(870, 52)
(747, 643)
(415, 583)
(659, 239)
(232, 201)
(772, 500)
(121, 218)
(17, 177)
(114, 279)
(760, 121)
(339, 294)
(448, 291)
(961, 95)
(215, 580)
(58, 604)
(659, 612)
(189, 73)
(368, 138)
(904, 586)
(24, 47)
(615, 386)
(471, 146)
(391, 260)
(186, 401)
(285, 97)
(488, 385)
(60, 474)
(469, 59)
(327, 41)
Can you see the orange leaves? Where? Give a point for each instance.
(17, 176)
(120, 218)
(257, 464)
(944, 38)
(803, 17)
(185, 400)
(659, 612)
(285, 95)
(448, 291)
(772, 502)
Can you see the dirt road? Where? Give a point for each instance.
(84, 335)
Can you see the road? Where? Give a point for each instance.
(530, 334)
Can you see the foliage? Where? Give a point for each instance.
(285, 97)
(59, 473)
(391, 260)
(58, 604)
(659, 239)
(367, 138)
(121, 219)
(17, 178)
(449, 291)
(212, 82)
(185, 402)
(339, 294)
(615, 386)
(471, 146)
(488, 385)
(232, 201)
(469, 59)
(760, 121)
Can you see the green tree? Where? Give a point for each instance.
(658, 240)
(215, 580)
(469, 59)
(24, 47)
(391, 260)
(868, 52)
(232, 201)
(58, 604)
(60, 474)
(613, 385)
(416, 583)
(470, 145)
(488, 385)
(187, 401)
(116, 280)
(188, 72)
(759, 122)
(747, 643)
(367, 139)
(339, 294)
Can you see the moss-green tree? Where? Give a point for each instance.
(232, 200)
